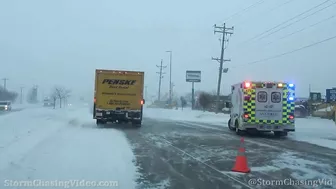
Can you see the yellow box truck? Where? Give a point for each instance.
(118, 96)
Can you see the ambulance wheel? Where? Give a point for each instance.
(238, 131)
(280, 133)
(229, 125)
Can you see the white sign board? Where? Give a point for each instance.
(193, 76)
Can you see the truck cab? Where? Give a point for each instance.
(262, 107)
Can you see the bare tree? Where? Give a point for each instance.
(65, 96)
(54, 96)
(61, 94)
(7, 95)
(204, 100)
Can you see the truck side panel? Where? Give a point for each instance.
(119, 90)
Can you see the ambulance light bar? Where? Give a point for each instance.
(247, 85)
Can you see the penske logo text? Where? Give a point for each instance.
(118, 82)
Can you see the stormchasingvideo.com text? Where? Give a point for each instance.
(59, 183)
(291, 182)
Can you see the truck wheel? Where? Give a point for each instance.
(136, 123)
(100, 122)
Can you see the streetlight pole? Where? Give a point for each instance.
(170, 77)
(21, 97)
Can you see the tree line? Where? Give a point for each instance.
(6, 95)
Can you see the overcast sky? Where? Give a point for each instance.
(62, 42)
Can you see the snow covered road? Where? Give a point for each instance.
(177, 151)
(63, 145)
(173, 149)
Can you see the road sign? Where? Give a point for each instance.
(193, 76)
(315, 96)
(331, 95)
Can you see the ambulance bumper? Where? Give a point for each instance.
(267, 127)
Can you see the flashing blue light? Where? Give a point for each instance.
(291, 85)
(291, 98)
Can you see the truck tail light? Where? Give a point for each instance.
(94, 100)
(142, 102)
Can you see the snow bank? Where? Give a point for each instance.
(63, 144)
(24, 106)
(328, 109)
(186, 115)
(317, 131)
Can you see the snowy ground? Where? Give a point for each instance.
(174, 149)
(187, 115)
(196, 149)
(63, 144)
(313, 130)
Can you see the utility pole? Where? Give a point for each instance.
(161, 76)
(21, 97)
(224, 31)
(170, 77)
(5, 83)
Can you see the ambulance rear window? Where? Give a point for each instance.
(262, 96)
(276, 97)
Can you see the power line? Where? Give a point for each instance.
(282, 4)
(243, 10)
(303, 29)
(290, 52)
(297, 21)
(285, 22)
(273, 9)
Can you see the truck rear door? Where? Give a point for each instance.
(119, 90)
(269, 102)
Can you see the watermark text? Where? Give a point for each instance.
(59, 183)
(291, 182)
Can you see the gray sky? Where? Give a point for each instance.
(62, 42)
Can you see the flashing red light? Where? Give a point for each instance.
(246, 116)
(291, 117)
(247, 85)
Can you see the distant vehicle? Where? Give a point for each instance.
(300, 111)
(118, 97)
(5, 106)
(262, 107)
(48, 102)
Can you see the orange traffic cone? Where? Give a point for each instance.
(241, 160)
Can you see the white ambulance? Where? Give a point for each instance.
(262, 107)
